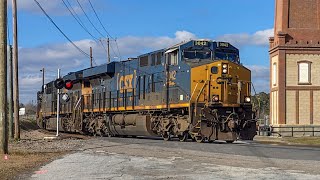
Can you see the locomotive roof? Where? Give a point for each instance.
(100, 70)
(109, 68)
(74, 75)
(153, 52)
(185, 44)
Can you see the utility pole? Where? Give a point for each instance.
(108, 50)
(58, 105)
(3, 78)
(15, 71)
(91, 57)
(10, 95)
(42, 70)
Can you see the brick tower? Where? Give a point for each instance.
(295, 64)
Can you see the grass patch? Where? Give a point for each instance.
(19, 162)
(315, 141)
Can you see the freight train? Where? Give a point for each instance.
(196, 89)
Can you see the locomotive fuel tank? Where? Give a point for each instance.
(130, 124)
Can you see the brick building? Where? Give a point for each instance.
(295, 64)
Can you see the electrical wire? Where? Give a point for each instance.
(118, 49)
(76, 17)
(89, 19)
(114, 53)
(100, 20)
(114, 39)
(51, 20)
(106, 50)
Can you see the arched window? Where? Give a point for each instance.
(304, 72)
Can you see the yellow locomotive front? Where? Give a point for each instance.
(220, 103)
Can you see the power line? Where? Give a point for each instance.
(80, 50)
(99, 20)
(118, 48)
(78, 19)
(108, 34)
(73, 13)
(89, 19)
(114, 53)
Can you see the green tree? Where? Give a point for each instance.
(261, 104)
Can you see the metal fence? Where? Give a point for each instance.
(288, 131)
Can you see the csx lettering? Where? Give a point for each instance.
(125, 83)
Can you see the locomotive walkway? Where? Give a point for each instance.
(126, 158)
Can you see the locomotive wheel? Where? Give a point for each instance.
(166, 136)
(199, 139)
(183, 137)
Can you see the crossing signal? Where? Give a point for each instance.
(60, 83)
(68, 84)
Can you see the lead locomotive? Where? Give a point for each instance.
(194, 89)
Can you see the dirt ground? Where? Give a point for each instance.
(32, 151)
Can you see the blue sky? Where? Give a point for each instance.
(139, 26)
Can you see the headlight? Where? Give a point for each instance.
(215, 98)
(224, 68)
(247, 99)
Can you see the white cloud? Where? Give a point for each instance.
(260, 77)
(259, 38)
(132, 45)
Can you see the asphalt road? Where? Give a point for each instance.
(141, 158)
(244, 148)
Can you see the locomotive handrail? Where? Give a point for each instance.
(198, 96)
(77, 103)
(194, 90)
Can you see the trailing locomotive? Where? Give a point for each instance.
(196, 89)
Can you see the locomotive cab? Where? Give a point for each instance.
(221, 92)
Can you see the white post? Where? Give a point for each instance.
(58, 106)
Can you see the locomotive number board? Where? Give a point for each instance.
(201, 43)
(223, 44)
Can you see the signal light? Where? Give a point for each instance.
(59, 83)
(68, 84)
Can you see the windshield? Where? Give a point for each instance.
(197, 54)
(226, 56)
